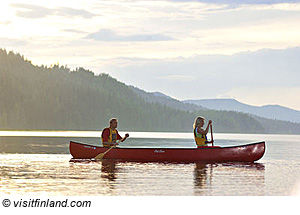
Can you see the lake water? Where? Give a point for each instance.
(37, 163)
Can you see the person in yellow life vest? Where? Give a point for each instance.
(110, 135)
(200, 133)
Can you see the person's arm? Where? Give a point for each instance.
(120, 138)
(126, 136)
(209, 126)
(202, 131)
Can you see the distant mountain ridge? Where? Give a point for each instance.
(276, 112)
(57, 98)
(158, 97)
(269, 125)
(268, 111)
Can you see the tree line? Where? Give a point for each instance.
(57, 98)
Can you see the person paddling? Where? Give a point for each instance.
(110, 135)
(200, 133)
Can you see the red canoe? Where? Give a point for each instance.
(243, 153)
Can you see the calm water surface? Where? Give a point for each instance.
(35, 163)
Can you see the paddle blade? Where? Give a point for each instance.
(100, 156)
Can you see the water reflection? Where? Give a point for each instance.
(113, 177)
(210, 178)
(108, 170)
(201, 175)
(105, 171)
(253, 166)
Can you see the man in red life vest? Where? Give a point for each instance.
(110, 135)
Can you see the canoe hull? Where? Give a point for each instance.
(244, 153)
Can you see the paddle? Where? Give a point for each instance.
(211, 133)
(101, 155)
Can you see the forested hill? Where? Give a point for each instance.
(42, 98)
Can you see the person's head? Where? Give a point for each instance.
(113, 123)
(199, 121)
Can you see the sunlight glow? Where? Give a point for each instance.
(296, 190)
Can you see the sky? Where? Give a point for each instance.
(187, 49)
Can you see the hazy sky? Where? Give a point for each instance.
(248, 50)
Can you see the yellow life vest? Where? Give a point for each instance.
(201, 139)
(111, 138)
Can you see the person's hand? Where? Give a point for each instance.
(210, 142)
(126, 135)
(209, 122)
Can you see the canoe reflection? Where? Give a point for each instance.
(211, 176)
(108, 167)
(201, 175)
(108, 170)
(113, 177)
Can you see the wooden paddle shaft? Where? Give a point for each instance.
(211, 132)
(101, 155)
